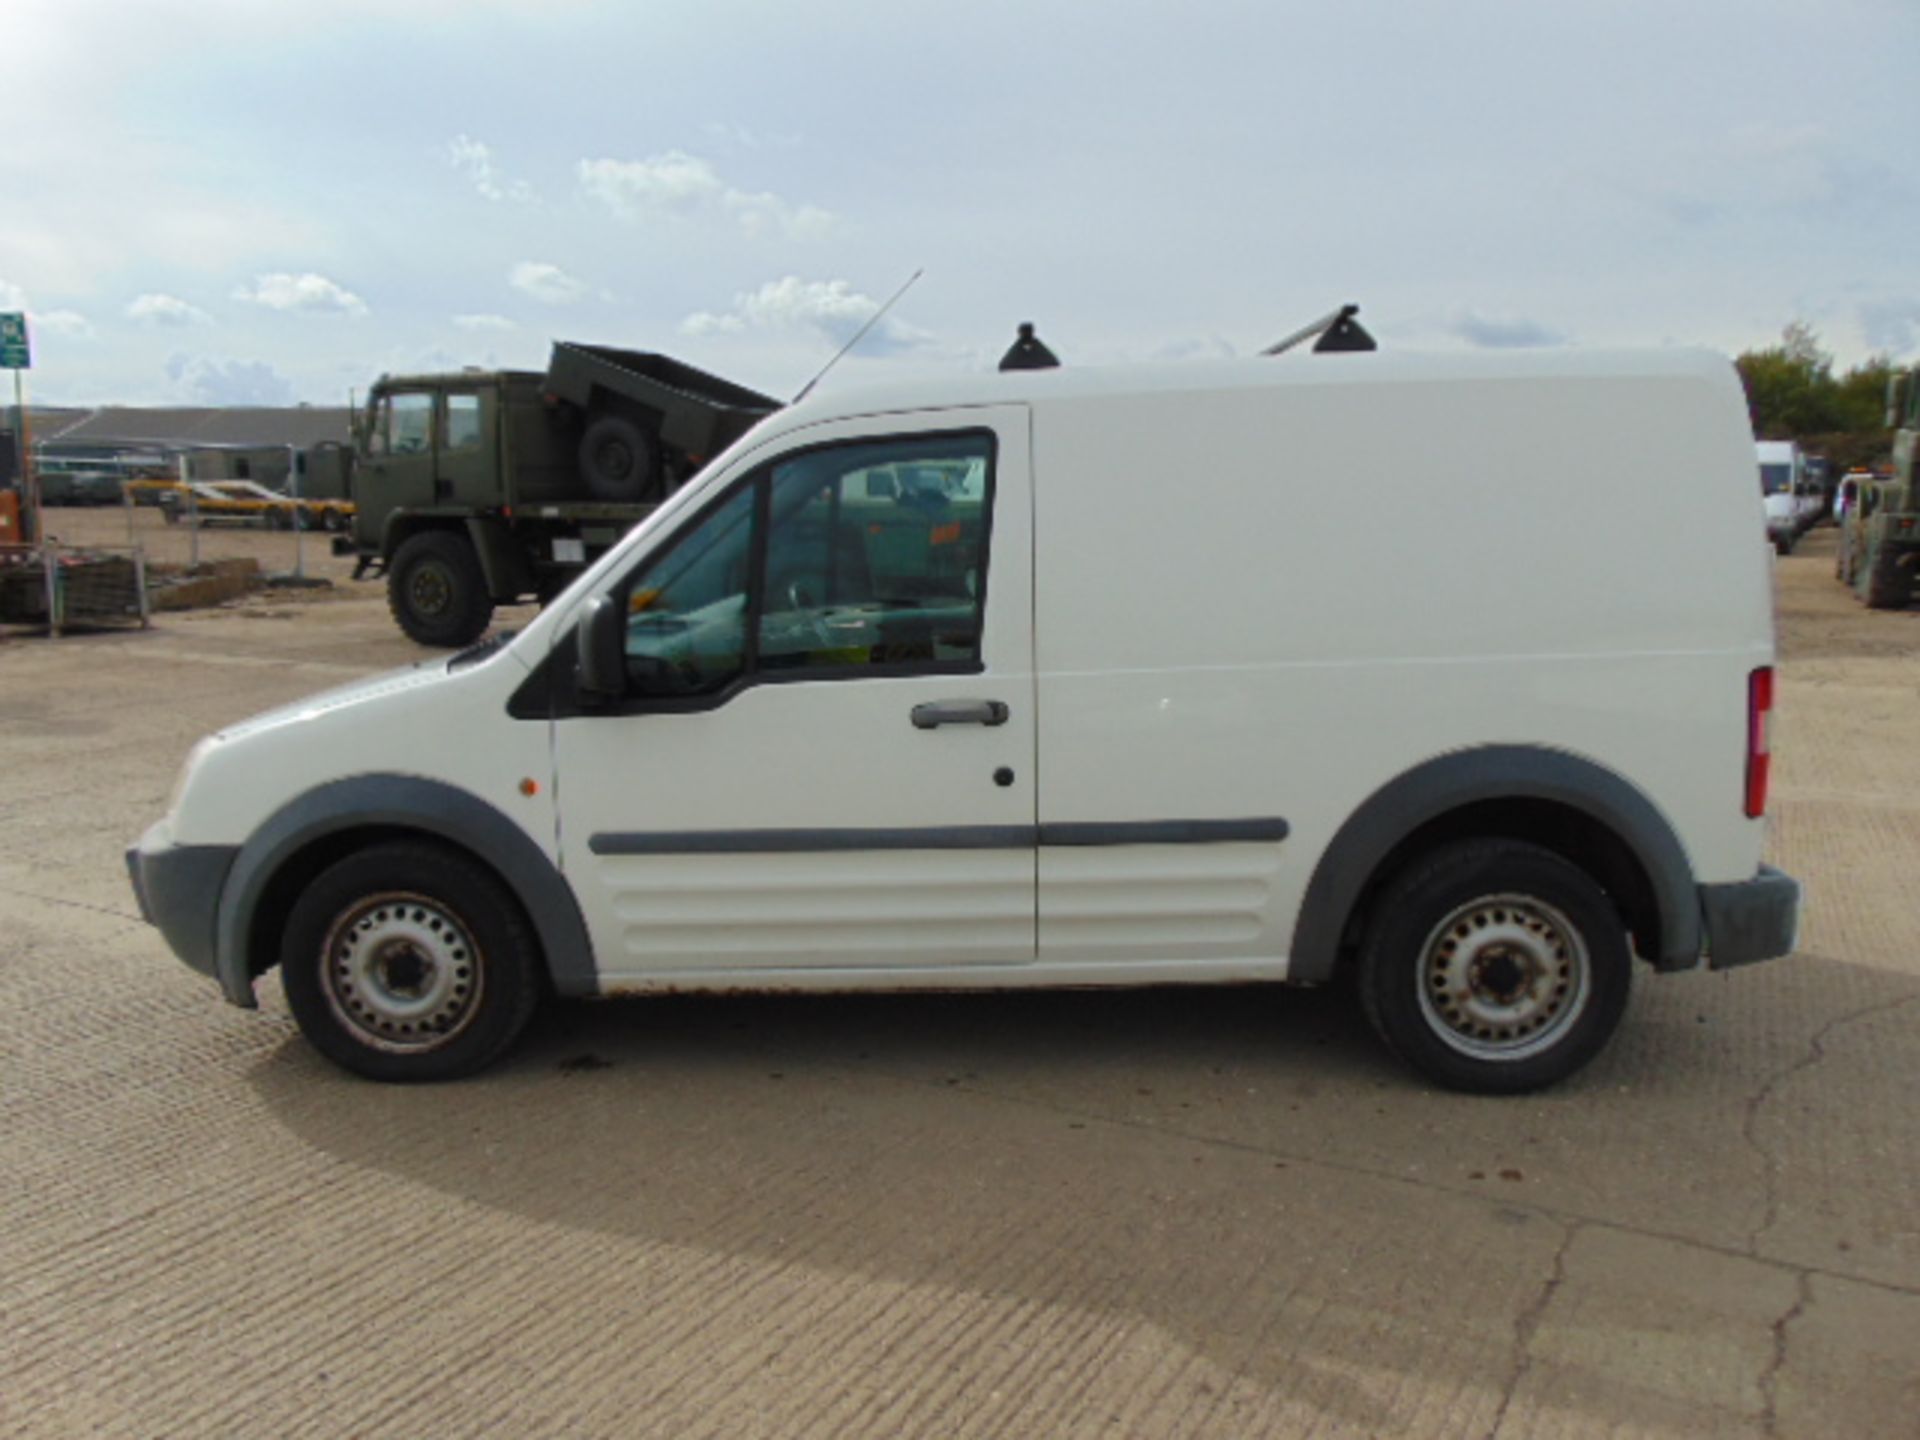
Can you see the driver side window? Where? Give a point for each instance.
(687, 609)
(833, 563)
(876, 554)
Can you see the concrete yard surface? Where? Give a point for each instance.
(1172, 1213)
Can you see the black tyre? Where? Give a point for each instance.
(407, 961)
(618, 460)
(436, 590)
(1783, 545)
(1889, 584)
(1495, 966)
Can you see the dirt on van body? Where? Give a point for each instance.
(1210, 1212)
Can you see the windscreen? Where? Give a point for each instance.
(1776, 479)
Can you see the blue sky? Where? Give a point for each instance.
(229, 201)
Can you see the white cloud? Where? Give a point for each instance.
(546, 282)
(484, 322)
(206, 380)
(1891, 327)
(159, 309)
(706, 322)
(70, 323)
(281, 291)
(12, 297)
(741, 137)
(833, 308)
(1503, 332)
(475, 161)
(680, 186)
(1212, 347)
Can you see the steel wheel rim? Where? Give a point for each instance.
(401, 972)
(429, 589)
(614, 459)
(1504, 977)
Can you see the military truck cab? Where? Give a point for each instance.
(1880, 536)
(482, 488)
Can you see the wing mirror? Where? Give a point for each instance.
(600, 671)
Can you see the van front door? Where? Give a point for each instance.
(824, 758)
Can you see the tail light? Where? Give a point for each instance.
(1759, 739)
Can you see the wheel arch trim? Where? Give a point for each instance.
(1429, 791)
(401, 803)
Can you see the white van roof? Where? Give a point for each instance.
(1341, 368)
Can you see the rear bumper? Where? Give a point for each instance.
(1757, 919)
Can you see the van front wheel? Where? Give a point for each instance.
(1495, 966)
(404, 961)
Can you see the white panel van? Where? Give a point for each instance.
(1264, 671)
(1783, 492)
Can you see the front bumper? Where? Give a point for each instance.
(1749, 920)
(178, 887)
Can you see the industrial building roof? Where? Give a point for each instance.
(298, 425)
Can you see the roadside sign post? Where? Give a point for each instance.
(16, 354)
(299, 518)
(191, 517)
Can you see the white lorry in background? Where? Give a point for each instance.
(1789, 509)
(944, 686)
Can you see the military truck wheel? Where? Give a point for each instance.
(436, 590)
(1889, 583)
(618, 460)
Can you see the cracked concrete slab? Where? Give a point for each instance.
(1206, 1213)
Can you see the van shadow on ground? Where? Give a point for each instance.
(1243, 1170)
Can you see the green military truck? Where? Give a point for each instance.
(1880, 537)
(484, 488)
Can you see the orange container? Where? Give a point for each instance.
(10, 518)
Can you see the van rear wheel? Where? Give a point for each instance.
(1495, 966)
(405, 961)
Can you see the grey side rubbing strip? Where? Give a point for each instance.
(936, 837)
(1163, 832)
(782, 842)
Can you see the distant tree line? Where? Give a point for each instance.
(1793, 394)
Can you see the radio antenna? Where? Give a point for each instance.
(858, 335)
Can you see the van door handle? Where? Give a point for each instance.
(932, 714)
